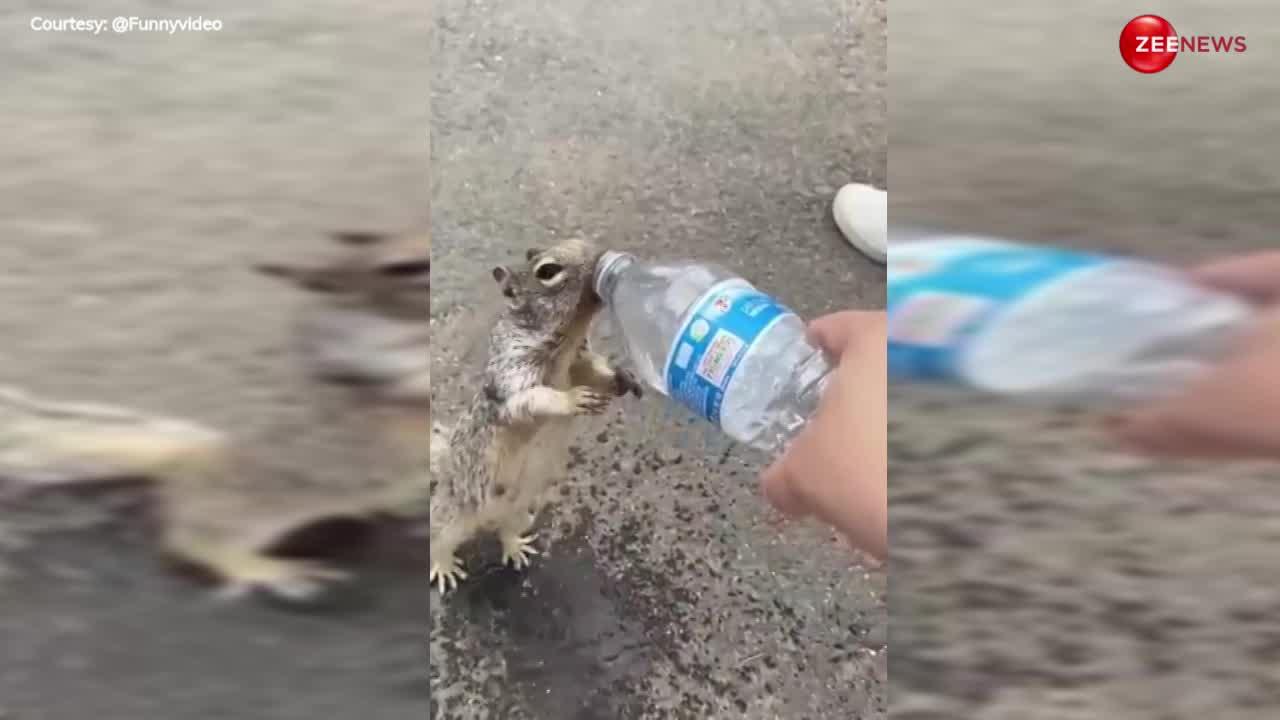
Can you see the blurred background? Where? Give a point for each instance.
(718, 131)
(1037, 572)
(144, 175)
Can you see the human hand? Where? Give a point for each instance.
(837, 468)
(1233, 412)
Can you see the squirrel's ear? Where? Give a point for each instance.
(357, 237)
(501, 274)
(276, 270)
(532, 253)
(305, 278)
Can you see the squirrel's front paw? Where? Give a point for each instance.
(625, 382)
(588, 401)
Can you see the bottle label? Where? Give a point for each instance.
(717, 335)
(944, 294)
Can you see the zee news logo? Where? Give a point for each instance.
(1149, 44)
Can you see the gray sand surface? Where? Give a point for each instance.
(710, 130)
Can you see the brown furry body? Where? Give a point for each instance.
(511, 444)
(365, 340)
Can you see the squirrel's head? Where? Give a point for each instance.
(554, 286)
(388, 271)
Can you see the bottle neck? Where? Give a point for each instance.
(608, 268)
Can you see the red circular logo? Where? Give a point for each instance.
(1148, 44)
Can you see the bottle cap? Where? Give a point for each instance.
(607, 268)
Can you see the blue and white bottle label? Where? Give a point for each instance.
(943, 294)
(703, 362)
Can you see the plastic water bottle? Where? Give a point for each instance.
(1020, 320)
(710, 340)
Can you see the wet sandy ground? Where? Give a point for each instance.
(143, 176)
(715, 130)
(1037, 573)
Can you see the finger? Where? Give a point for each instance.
(776, 484)
(1256, 275)
(1221, 415)
(1145, 433)
(1169, 434)
(837, 331)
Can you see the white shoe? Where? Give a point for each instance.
(862, 214)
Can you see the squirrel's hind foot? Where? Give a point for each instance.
(446, 574)
(283, 579)
(518, 550)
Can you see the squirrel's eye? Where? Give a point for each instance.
(547, 271)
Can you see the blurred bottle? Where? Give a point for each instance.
(713, 342)
(1014, 319)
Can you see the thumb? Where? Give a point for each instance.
(1255, 276)
(1174, 431)
(1148, 432)
(775, 482)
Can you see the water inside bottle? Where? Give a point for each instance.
(779, 378)
(1123, 330)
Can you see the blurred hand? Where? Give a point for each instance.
(1255, 276)
(1234, 411)
(837, 468)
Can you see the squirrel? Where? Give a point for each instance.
(512, 442)
(228, 504)
(367, 330)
